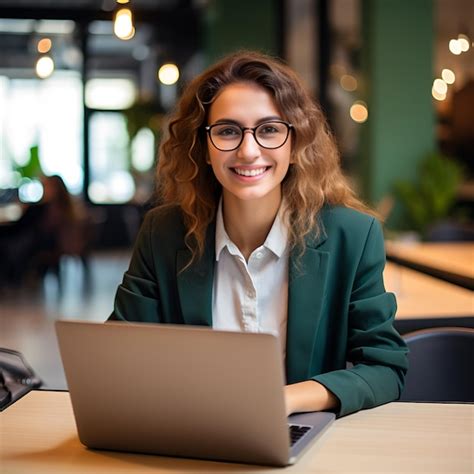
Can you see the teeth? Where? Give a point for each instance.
(254, 172)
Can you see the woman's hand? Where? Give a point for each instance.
(309, 396)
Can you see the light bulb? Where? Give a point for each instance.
(168, 74)
(437, 95)
(448, 76)
(359, 112)
(348, 83)
(440, 86)
(44, 45)
(44, 67)
(123, 24)
(455, 47)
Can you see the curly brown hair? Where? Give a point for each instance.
(313, 179)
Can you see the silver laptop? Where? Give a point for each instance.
(182, 391)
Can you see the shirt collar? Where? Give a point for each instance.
(276, 241)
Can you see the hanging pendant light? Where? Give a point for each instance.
(123, 23)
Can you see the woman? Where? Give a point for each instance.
(260, 231)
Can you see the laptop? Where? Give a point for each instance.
(182, 391)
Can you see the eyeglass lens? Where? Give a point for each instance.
(268, 135)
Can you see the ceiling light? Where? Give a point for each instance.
(440, 86)
(348, 82)
(437, 95)
(44, 67)
(44, 45)
(168, 74)
(448, 76)
(123, 24)
(359, 112)
(455, 47)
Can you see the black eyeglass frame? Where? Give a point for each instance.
(289, 127)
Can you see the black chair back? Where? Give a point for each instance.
(441, 365)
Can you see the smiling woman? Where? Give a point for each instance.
(260, 232)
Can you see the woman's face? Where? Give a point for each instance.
(250, 172)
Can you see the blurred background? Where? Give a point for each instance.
(86, 85)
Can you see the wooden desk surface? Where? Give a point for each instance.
(455, 257)
(38, 434)
(423, 296)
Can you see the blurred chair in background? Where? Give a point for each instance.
(440, 365)
(55, 226)
(451, 231)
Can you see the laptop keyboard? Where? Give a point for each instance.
(297, 432)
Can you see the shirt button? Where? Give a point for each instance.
(259, 254)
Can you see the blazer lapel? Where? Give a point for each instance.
(306, 290)
(195, 283)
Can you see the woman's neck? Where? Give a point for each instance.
(248, 223)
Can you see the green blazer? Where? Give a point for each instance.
(338, 309)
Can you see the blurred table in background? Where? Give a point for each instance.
(452, 262)
(424, 301)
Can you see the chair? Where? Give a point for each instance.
(74, 239)
(441, 365)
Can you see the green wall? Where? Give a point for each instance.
(231, 25)
(397, 76)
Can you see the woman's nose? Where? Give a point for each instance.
(249, 148)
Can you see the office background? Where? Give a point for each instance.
(395, 78)
(383, 71)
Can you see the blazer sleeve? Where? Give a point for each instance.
(376, 350)
(137, 296)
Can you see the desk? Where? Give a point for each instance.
(453, 262)
(424, 301)
(38, 434)
(422, 296)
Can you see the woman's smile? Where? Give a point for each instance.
(250, 172)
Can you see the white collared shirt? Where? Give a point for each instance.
(252, 296)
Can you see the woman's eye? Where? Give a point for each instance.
(268, 130)
(228, 132)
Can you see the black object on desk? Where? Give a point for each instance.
(17, 377)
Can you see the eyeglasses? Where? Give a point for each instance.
(229, 136)
(16, 377)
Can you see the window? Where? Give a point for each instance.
(110, 178)
(46, 114)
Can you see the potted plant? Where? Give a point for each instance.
(428, 201)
